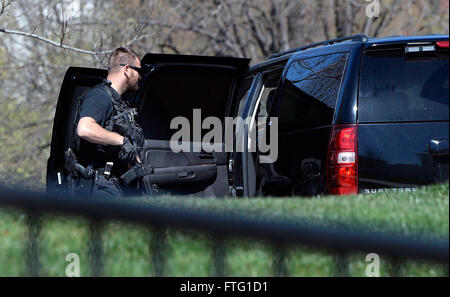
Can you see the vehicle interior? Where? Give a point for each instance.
(262, 178)
(178, 94)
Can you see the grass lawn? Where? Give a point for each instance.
(127, 248)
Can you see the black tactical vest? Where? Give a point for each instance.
(123, 121)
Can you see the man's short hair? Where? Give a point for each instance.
(121, 55)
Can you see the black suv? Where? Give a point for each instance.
(354, 115)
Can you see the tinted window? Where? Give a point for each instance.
(310, 92)
(177, 90)
(398, 88)
(243, 93)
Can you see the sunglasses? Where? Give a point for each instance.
(138, 69)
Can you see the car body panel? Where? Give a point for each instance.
(398, 155)
(402, 144)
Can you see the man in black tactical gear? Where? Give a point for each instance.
(106, 127)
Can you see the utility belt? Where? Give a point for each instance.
(80, 174)
(93, 171)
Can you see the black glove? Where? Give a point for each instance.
(127, 151)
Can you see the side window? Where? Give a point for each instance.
(271, 82)
(243, 93)
(310, 92)
(263, 102)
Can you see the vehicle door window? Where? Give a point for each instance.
(310, 92)
(262, 106)
(243, 93)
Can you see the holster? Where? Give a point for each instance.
(80, 179)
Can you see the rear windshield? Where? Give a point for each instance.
(399, 88)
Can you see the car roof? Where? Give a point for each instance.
(270, 63)
(345, 42)
(405, 39)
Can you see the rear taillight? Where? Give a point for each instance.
(342, 160)
(442, 44)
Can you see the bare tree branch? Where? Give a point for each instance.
(5, 3)
(46, 40)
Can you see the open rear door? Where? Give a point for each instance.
(76, 80)
(194, 88)
(175, 87)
